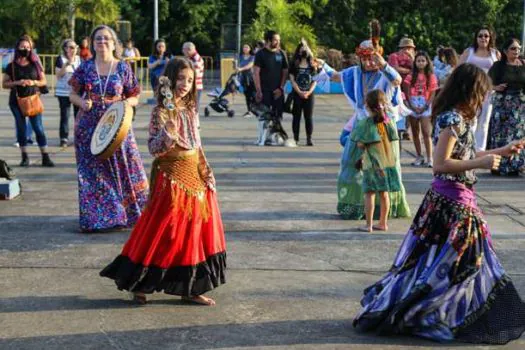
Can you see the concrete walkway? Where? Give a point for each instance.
(296, 271)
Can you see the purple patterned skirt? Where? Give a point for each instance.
(112, 193)
(446, 282)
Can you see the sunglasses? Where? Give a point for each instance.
(514, 48)
(483, 36)
(72, 47)
(103, 38)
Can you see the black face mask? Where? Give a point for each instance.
(23, 52)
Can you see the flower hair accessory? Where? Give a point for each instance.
(165, 90)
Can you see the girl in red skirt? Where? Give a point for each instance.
(178, 244)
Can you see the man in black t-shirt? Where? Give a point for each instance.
(270, 73)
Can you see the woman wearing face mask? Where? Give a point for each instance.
(24, 76)
(507, 122)
(302, 71)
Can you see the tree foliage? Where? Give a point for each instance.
(288, 19)
(344, 23)
(339, 24)
(48, 21)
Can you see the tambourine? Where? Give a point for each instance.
(111, 130)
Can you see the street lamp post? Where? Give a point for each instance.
(155, 19)
(239, 22)
(523, 30)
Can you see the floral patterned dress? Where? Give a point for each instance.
(446, 282)
(507, 123)
(112, 192)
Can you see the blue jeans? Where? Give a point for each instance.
(65, 111)
(21, 127)
(199, 93)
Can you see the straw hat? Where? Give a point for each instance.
(406, 42)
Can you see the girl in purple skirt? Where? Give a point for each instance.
(446, 282)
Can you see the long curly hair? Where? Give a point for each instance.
(465, 90)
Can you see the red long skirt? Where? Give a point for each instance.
(177, 245)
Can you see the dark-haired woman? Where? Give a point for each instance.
(483, 54)
(24, 76)
(157, 62)
(302, 72)
(446, 282)
(508, 116)
(246, 60)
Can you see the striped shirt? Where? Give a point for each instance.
(198, 65)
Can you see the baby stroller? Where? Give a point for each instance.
(270, 131)
(219, 103)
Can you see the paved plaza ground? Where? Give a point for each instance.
(296, 270)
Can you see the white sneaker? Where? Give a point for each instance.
(16, 144)
(429, 164)
(248, 115)
(419, 161)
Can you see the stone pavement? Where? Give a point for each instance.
(296, 271)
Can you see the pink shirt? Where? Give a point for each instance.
(421, 88)
(401, 59)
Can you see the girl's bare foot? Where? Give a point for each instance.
(380, 227)
(139, 298)
(200, 299)
(365, 229)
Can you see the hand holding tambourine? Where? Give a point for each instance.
(87, 104)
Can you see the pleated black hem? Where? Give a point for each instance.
(178, 280)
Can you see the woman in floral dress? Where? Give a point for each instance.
(508, 116)
(112, 192)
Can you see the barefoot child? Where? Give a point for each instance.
(178, 245)
(446, 282)
(377, 137)
(420, 88)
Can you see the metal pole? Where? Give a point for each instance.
(239, 21)
(523, 31)
(156, 20)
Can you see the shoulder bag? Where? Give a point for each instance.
(30, 106)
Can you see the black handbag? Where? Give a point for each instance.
(288, 104)
(6, 171)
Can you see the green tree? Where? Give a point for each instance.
(288, 19)
(50, 21)
(343, 24)
(56, 18)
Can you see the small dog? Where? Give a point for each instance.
(270, 131)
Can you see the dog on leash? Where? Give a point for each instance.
(270, 131)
